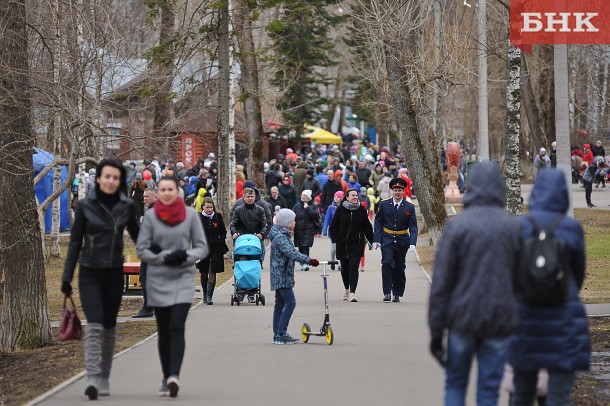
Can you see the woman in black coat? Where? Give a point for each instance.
(216, 233)
(306, 217)
(348, 230)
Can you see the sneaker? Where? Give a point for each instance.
(396, 299)
(352, 297)
(346, 294)
(164, 390)
(306, 268)
(142, 314)
(286, 339)
(332, 267)
(91, 392)
(387, 298)
(275, 338)
(173, 386)
(361, 269)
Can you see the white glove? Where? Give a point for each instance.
(411, 248)
(376, 245)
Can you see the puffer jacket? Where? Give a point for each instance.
(554, 337)
(304, 229)
(350, 230)
(101, 231)
(249, 219)
(283, 257)
(477, 254)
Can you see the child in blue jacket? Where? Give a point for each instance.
(283, 256)
(328, 218)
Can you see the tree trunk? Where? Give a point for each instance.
(531, 108)
(513, 122)
(593, 99)
(163, 82)
(24, 314)
(546, 90)
(226, 146)
(251, 93)
(421, 159)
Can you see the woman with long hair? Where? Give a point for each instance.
(350, 229)
(171, 241)
(99, 223)
(216, 233)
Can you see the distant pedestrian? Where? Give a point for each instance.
(557, 337)
(471, 298)
(350, 230)
(282, 258)
(328, 218)
(307, 215)
(541, 161)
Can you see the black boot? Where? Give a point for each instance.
(210, 293)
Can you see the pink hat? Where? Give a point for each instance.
(339, 194)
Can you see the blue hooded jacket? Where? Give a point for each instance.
(554, 337)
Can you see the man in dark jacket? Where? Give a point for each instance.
(312, 183)
(265, 205)
(472, 296)
(328, 191)
(249, 218)
(274, 177)
(363, 174)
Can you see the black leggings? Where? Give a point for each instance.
(349, 273)
(170, 335)
(588, 190)
(101, 292)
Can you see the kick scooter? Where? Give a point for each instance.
(325, 330)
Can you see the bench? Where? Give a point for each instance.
(131, 269)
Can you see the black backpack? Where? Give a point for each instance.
(543, 279)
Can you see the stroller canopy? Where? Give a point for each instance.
(247, 244)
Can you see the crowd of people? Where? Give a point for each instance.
(358, 196)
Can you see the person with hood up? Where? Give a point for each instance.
(287, 191)
(350, 230)
(328, 218)
(282, 258)
(556, 338)
(307, 216)
(542, 161)
(471, 298)
(373, 201)
(199, 199)
(587, 156)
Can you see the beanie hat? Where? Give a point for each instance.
(339, 194)
(587, 146)
(362, 190)
(284, 217)
(249, 184)
(138, 176)
(307, 193)
(317, 199)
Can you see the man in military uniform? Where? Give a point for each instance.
(395, 233)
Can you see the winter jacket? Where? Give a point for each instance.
(299, 177)
(363, 176)
(249, 219)
(322, 178)
(373, 201)
(101, 232)
(375, 178)
(313, 185)
(304, 229)
(265, 205)
(554, 337)
(384, 188)
(168, 285)
(272, 178)
(328, 217)
(477, 254)
(354, 185)
(598, 151)
(350, 230)
(328, 192)
(276, 202)
(288, 193)
(283, 256)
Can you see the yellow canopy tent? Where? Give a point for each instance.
(322, 136)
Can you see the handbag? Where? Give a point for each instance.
(70, 327)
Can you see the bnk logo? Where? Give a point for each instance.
(559, 22)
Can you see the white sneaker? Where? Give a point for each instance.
(352, 297)
(346, 294)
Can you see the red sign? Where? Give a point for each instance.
(559, 22)
(192, 149)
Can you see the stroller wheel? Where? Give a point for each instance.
(262, 300)
(232, 300)
(237, 301)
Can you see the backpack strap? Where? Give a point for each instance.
(550, 230)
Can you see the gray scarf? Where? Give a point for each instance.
(350, 206)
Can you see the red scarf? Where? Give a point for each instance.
(172, 214)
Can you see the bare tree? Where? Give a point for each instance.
(23, 303)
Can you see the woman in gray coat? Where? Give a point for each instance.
(171, 240)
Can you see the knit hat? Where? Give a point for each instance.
(284, 217)
(249, 184)
(307, 193)
(138, 176)
(317, 199)
(362, 190)
(339, 194)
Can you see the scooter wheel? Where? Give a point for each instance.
(330, 337)
(305, 329)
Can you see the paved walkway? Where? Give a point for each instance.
(600, 197)
(380, 354)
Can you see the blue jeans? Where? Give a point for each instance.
(560, 386)
(491, 356)
(285, 302)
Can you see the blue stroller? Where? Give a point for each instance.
(247, 256)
